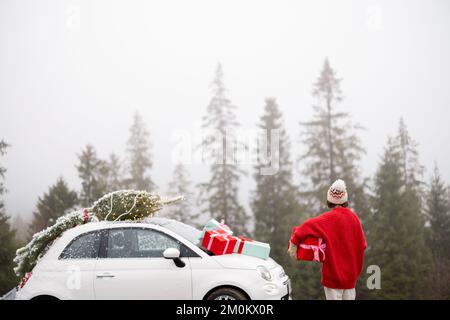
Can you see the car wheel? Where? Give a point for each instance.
(227, 294)
(44, 297)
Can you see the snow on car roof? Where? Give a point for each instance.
(154, 220)
(188, 232)
(159, 221)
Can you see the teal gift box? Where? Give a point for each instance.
(213, 224)
(252, 248)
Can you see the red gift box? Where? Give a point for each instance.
(219, 242)
(311, 249)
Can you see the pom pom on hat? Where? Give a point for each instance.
(337, 193)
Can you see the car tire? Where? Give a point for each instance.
(44, 297)
(227, 294)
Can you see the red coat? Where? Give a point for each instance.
(341, 230)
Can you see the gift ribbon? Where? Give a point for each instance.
(228, 238)
(217, 233)
(241, 241)
(319, 248)
(224, 227)
(214, 234)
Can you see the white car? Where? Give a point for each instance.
(154, 259)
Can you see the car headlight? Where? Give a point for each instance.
(264, 273)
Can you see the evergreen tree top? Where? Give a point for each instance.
(412, 169)
(220, 123)
(3, 147)
(438, 215)
(140, 156)
(54, 203)
(221, 112)
(270, 151)
(333, 149)
(396, 234)
(327, 86)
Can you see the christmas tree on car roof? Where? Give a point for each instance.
(116, 206)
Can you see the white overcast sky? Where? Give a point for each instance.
(73, 72)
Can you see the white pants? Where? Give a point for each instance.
(340, 294)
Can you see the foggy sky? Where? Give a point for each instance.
(74, 72)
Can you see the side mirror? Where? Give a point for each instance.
(171, 253)
(174, 254)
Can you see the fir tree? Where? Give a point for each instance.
(93, 173)
(220, 143)
(7, 238)
(396, 238)
(438, 240)
(181, 184)
(333, 150)
(274, 202)
(53, 204)
(3, 146)
(115, 179)
(21, 229)
(7, 251)
(140, 157)
(438, 216)
(412, 170)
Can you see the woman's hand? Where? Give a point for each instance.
(292, 250)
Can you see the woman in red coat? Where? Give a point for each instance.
(343, 235)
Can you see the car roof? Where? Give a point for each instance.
(154, 223)
(95, 225)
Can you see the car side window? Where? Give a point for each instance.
(138, 243)
(84, 246)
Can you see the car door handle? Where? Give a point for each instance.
(105, 275)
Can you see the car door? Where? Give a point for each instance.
(132, 266)
(74, 270)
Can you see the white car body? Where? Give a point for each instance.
(149, 278)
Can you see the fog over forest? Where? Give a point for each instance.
(75, 72)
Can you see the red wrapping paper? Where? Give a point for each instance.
(219, 242)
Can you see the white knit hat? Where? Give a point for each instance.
(337, 194)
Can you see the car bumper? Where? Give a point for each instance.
(273, 290)
(281, 285)
(288, 295)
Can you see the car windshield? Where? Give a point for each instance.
(189, 233)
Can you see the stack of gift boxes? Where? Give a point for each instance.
(218, 238)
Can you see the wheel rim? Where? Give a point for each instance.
(225, 297)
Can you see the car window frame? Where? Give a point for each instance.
(185, 251)
(101, 234)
